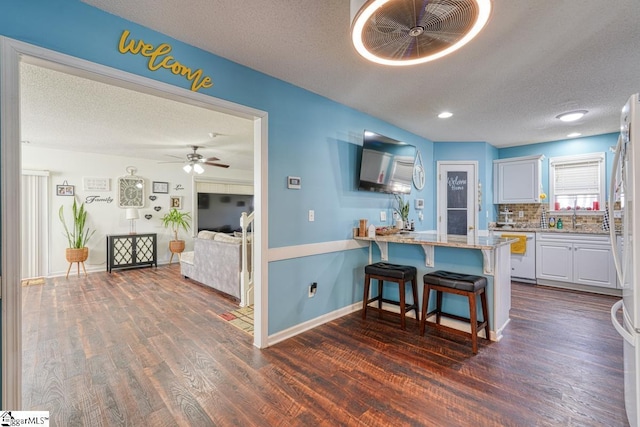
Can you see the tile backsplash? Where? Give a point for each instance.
(533, 211)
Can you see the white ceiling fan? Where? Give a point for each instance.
(195, 160)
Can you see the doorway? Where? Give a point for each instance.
(457, 194)
(12, 53)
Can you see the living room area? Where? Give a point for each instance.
(122, 155)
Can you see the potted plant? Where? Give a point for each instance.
(176, 220)
(402, 210)
(77, 236)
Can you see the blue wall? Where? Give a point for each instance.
(309, 136)
(567, 147)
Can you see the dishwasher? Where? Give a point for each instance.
(523, 266)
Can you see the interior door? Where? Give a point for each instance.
(458, 198)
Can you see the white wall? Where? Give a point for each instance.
(105, 216)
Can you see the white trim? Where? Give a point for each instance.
(313, 323)
(291, 252)
(10, 244)
(35, 172)
(11, 53)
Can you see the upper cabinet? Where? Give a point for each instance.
(517, 180)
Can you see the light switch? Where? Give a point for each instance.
(383, 216)
(312, 216)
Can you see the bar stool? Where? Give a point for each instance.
(399, 274)
(460, 284)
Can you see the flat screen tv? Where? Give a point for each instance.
(221, 212)
(386, 165)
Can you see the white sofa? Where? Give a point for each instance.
(215, 262)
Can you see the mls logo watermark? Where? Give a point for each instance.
(24, 418)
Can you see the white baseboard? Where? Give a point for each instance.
(310, 324)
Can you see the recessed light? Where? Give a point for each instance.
(574, 134)
(445, 115)
(571, 116)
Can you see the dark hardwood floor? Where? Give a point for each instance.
(147, 348)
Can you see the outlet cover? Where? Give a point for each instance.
(312, 216)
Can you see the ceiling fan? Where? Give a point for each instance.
(195, 160)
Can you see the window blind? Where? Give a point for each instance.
(577, 178)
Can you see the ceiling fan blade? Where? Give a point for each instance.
(173, 161)
(209, 159)
(175, 157)
(220, 165)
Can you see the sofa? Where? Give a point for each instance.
(216, 261)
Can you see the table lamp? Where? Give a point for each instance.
(132, 214)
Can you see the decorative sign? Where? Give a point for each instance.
(179, 187)
(175, 202)
(160, 187)
(157, 208)
(456, 190)
(148, 216)
(159, 58)
(457, 203)
(97, 199)
(96, 184)
(152, 198)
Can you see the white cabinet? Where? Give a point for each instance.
(593, 265)
(554, 261)
(517, 180)
(575, 258)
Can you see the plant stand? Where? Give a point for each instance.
(176, 247)
(78, 256)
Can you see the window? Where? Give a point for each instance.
(577, 181)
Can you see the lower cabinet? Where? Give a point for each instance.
(575, 258)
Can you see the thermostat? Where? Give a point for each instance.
(294, 182)
(419, 204)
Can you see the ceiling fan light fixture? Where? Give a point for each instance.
(187, 168)
(386, 31)
(198, 169)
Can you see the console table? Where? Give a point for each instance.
(131, 251)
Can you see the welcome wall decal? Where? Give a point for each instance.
(159, 58)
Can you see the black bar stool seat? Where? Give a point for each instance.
(461, 284)
(400, 274)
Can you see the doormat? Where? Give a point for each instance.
(241, 318)
(31, 282)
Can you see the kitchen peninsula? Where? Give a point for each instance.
(495, 265)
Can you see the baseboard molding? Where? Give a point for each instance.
(310, 324)
(578, 287)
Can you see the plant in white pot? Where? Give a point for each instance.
(77, 236)
(176, 220)
(402, 210)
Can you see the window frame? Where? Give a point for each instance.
(598, 157)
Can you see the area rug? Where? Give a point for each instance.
(31, 282)
(241, 318)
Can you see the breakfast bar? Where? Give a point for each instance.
(496, 264)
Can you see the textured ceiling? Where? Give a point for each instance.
(533, 61)
(62, 111)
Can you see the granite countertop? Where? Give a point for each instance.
(449, 240)
(584, 229)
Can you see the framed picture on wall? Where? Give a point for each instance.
(160, 187)
(175, 202)
(65, 190)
